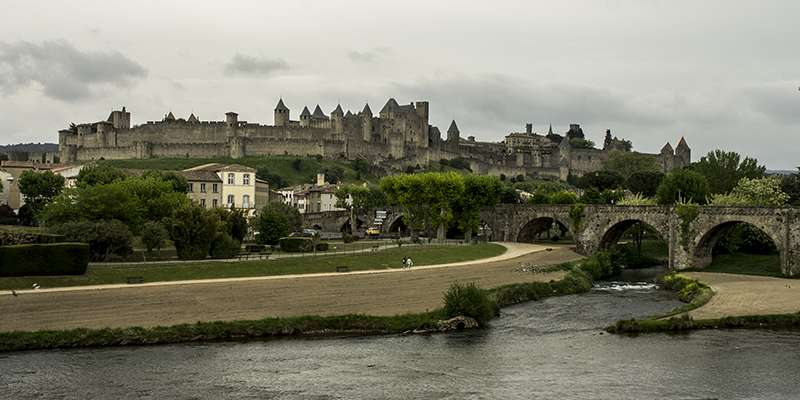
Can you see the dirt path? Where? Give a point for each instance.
(747, 295)
(385, 293)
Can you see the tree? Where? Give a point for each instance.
(105, 237)
(426, 197)
(479, 191)
(724, 169)
(275, 181)
(682, 184)
(626, 163)
(99, 174)
(644, 182)
(601, 180)
(562, 197)
(176, 180)
(580, 143)
(277, 220)
(791, 185)
(233, 223)
(39, 188)
(356, 198)
(193, 229)
(334, 174)
(153, 236)
(754, 192)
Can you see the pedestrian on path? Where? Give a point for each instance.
(405, 262)
(409, 263)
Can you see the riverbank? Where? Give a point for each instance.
(724, 301)
(532, 281)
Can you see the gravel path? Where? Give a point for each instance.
(747, 295)
(384, 292)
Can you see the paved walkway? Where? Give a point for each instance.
(382, 292)
(747, 295)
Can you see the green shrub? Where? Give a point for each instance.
(192, 229)
(296, 244)
(470, 301)
(224, 246)
(153, 236)
(600, 265)
(322, 246)
(348, 238)
(44, 259)
(103, 237)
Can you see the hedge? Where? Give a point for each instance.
(296, 244)
(44, 259)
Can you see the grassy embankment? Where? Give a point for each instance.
(746, 264)
(384, 259)
(286, 167)
(579, 279)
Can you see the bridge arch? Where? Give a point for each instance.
(709, 235)
(614, 233)
(396, 223)
(538, 225)
(605, 225)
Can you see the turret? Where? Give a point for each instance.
(529, 128)
(366, 123)
(683, 153)
(318, 114)
(337, 117)
(281, 114)
(423, 112)
(575, 132)
(667, 150)
(608, 141)
(120, 119)
(231, 118)
(305, 117)
(453, 134)
(169, 117)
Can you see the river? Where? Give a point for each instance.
(552, 349)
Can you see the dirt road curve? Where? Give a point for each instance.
(747, 295)
(375, 294)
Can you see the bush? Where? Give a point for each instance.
(600, 265)
(153, 236)
(103, 237)
(193, 228)
(563, 197)
(348, 238)
(224, 246)
(7, 216)
(322, 246)
(44, 259)
(296, 244)
(683, 185)
(470, 301)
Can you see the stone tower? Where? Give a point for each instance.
(453, 135)
(424, 134)
(120, 119)
(337, 119)
(683, 154)
(667, 156)
(305, 117)
(281, 114)
(366, 123)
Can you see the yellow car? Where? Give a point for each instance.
(373, 231)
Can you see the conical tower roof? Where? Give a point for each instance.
(169, 117)
(318, 113)
(453, 127)
(337, 110)
(349, 114)
(366, 109)
(305, 112)
(192, 118)
(550, 131)
(667, 149)
(281, 106)
(391, 104)
(682, 144)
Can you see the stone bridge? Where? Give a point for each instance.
(690, 231)
(339, 221)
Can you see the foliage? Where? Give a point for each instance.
(7, 216)
(104, 237)
(580, 143)
(626, 163)
(754, 192)
(479, 191)
(176, 180)
(592, 196)
(576, 214)
(600, 180)
(746, 238)
(791, 186)
(275, 221)
(724, 169)
(192, 229)
(333, 174)
(456, 163)
(508, 195)
(644, 182)
(99, 174)
(363, 196)
(39, 188)
(687, 213)
(360, 167)
(27, 216)
(154, 235)
(470, 301)
(297, 164)
(233, 223)
(44, 259)
(224, 246)
(296, 244)
(600, 265)
(275, 180)
(636, 199)
(562, 197)
(427, 197)
(682, 184)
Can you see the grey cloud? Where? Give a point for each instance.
(64, 72)
(780, 101)
(367, 56)
(242, 64)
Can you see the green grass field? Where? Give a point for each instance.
(746, 264)
(278, 165)
(392, 258)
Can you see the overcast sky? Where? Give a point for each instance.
(724, 74)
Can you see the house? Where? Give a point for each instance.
(265, 195)
(309, 198)
(235, 186)
(12, 170)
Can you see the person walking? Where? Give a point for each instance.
(409, 263)
(405, 262)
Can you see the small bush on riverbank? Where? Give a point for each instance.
(600, 265)
(470, 301)
(686, 323)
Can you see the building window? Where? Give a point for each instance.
(230, 201)
(203, 203)
(246, 201)
(202, 188)
(246, 179)
(231, 179)
(191, 187)
(214, 203)
(214, 188)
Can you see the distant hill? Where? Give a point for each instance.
(35, 147)
(781, 171)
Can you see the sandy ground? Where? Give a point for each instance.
(377, 293)
(747, 295)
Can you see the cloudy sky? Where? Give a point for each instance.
(724, 74)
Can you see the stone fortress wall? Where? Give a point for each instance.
(399, 136)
